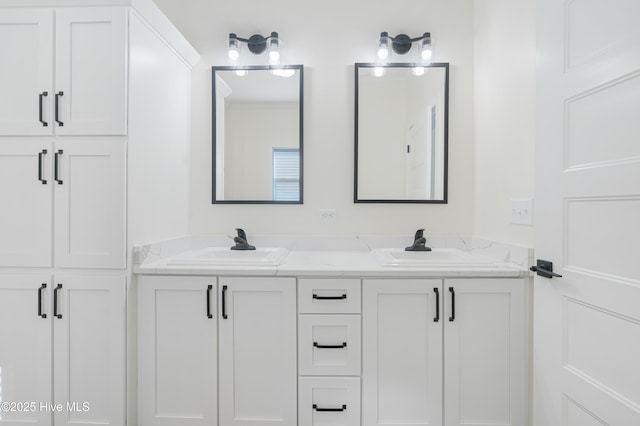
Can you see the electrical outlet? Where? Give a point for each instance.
(522, 211)
(327, 214)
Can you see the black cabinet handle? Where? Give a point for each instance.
(40, 314)
(41, 154)
(316, 345)
(224, 302)
(315, 296)
(344, 407)
(436, 290)
(57, 118)
(209, 288)
(56, 168)
(55, 302)
(453, 304)
(41, 97)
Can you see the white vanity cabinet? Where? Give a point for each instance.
(447, 351)
(233, 351)
(257, 349)
(178, 351)
(64, 71)
(63, 343)
(217, 351)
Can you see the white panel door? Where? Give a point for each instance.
(26, 71)
(257, 348)
(402, 352)
(91, 71)
(25, 349)
(587, 323)
(177, 351)
(26, 212)
(88, 349)
(89, 180)
(484, 352)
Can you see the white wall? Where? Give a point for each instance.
(504, 116)
(327, 38)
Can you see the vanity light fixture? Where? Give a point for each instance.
(257, 44)
(402, 43)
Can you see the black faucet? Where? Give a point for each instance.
(241, 241)
(418, 242)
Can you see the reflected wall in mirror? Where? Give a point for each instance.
(257, 134)
(401, 133)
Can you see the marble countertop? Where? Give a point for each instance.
(343, 256)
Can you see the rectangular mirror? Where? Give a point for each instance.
(257, 134)
(401, 132)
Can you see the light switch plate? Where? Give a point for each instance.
(522, 211)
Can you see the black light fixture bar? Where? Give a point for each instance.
(257, 43)
(402, 43)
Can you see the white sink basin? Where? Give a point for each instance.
(436, 257)
(224, 256)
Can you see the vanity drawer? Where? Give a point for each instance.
(329, 296)
(329, 401)
(329, 345)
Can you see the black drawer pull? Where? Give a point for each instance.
(316, 345)
(40, 314)
(209, 288)
(315, 296)
(55, 302)
(315, 407)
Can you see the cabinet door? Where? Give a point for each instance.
(401, 352)
(26, 71)
(89, 182)
(91, 71)
(88, 349)
(25, 348)
(25, 215)
(177, 351)
(257, 346)
(484, 352)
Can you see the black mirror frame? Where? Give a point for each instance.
(372, 65)
(213, 127)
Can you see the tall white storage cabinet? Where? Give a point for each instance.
(94, 143)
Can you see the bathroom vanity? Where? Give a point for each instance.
(332, 336)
